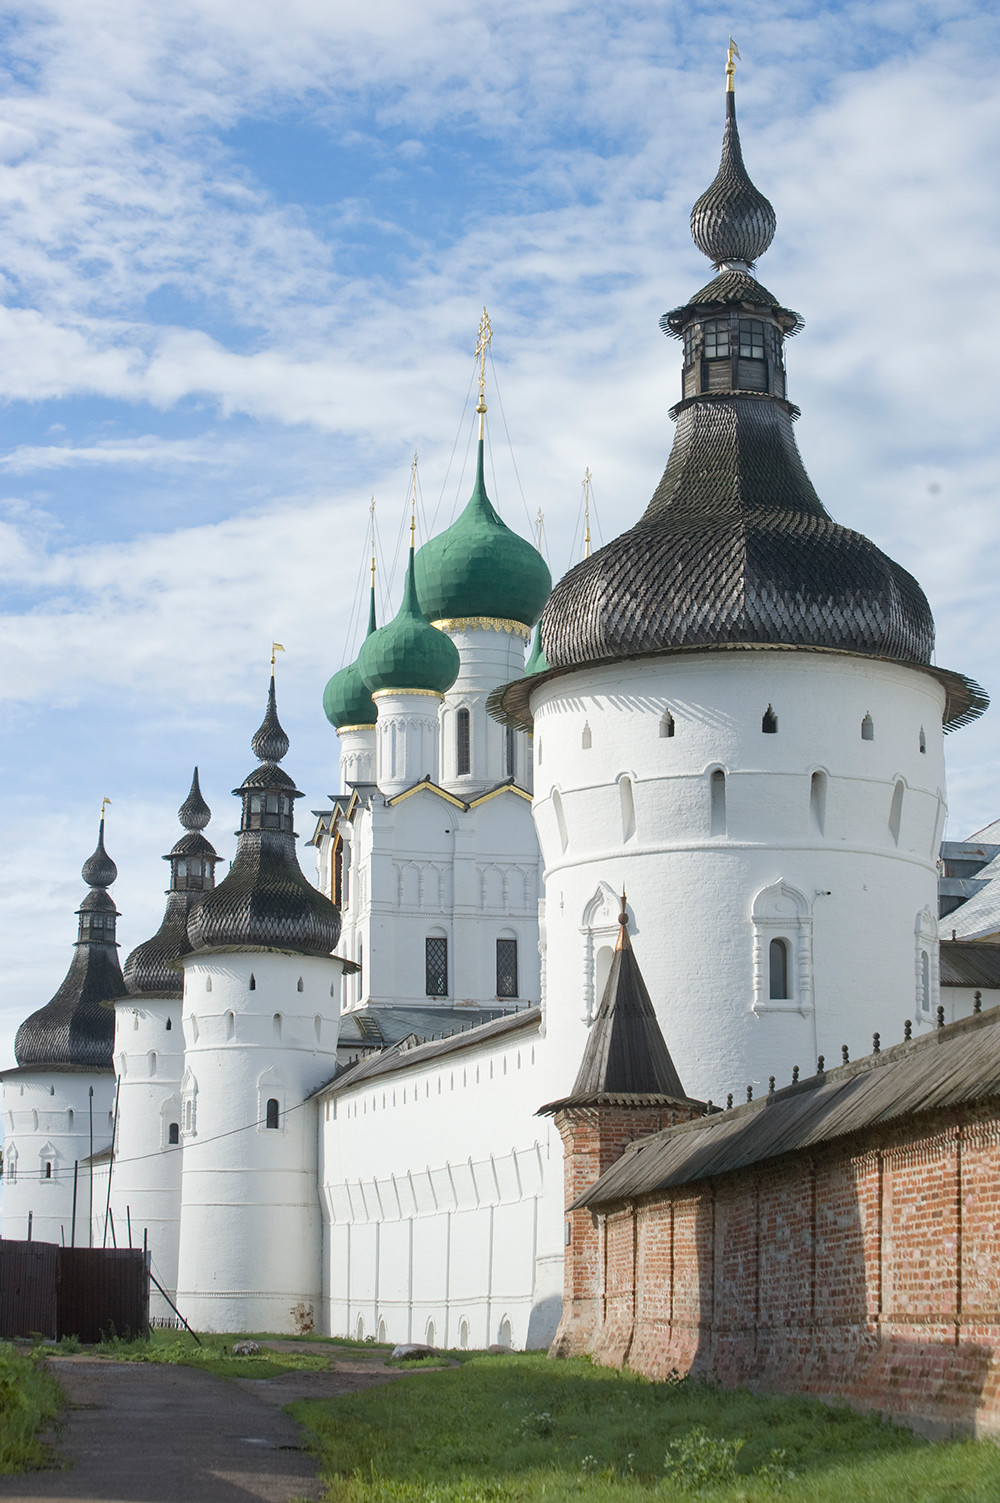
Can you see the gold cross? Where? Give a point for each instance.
(275, 647)
(732, 51)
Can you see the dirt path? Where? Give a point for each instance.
(137, 1432)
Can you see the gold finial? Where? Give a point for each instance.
(538, 524)
(371, 510)
(483, 342)
(622, 922)
(104, 804)
(413, 501)
(275, 648)
(733, 51)
(586, 512)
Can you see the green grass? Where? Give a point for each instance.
(29, 1400)
(214, 1355)
(517, 1429)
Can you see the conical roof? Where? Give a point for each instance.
(409, 653)
(346, 700)
(264, 901)
(76, 1029)
(479, 567)
(151, 969)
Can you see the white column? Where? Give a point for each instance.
(491, 653)
(357, 754)
(407, 743)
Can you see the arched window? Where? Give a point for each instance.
(151, 1060)
(429, 1338)
(666, 724)
(48, 1168)
(506, 967)
(253, 982)
(271, 1113)
(868, 729)
(463, 1333)
(70, 1118)
(174, 1133)
(510, 751)
(276, 1027)
(300, 985)
(778, 970)
(717, 797)
(361, 1329)
(557, 805)
(208, 983)
(923, 740)
(230, 1025)
(463, 743)
(586, 740)
(627, 798)
(169, 1025)
(769, 722)
(817, 801)
(896, 812)
(505, 1336)
(383, 1333)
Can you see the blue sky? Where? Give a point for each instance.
(243, 253)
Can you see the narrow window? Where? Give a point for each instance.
(69, 1119)
(463, 1334)
(506, 967)
(436, 966)
(152, 1061)
(253, 982)
(271, 1114)
(463, 754)
(925, 981)
(48, 1169)
(318, 1026)
(666, 724)
(817, 801)
(510, 750)
(586, 740)
(276, 1028)
(769, 722)
(299, 986)
(230, 1025)
(868, 729)
(208, 984)
(778, 970)
(718, 801)
(896, 812)
(188, 1115)
(628, 808)
(557, 805)
(923, 740)
(430, 1333)
(539, 751)
(169, 1025)
(194, 1028)
(174, 1132)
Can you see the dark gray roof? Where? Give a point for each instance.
(970, 964)
(76, 1028)
(945, 1068)
(413, 1051)
(626, 1055)
(265, 901)
(732, 220)
(731, 289)
(384, 1026)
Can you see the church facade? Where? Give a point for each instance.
(320, 1105)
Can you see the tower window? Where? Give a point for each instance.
(253, 982)
(923, 740)
(169, 1025)
(436, 966)
(271, 1114)
(868, 729)
(48, 1169)
(778, 970)
(174, 1133)
(587, 739)
(751, 339)
(666, 724)
(506, 967)
(717, 794)
(925, 982)
(769, 722)
(896, 812)
(817, 801)
(463, 751)
(717, 340)
(510, 751)
(300, 985)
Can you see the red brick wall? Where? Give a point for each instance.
(868, 1271)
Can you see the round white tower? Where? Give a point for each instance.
(261, 1017)
(149, 1060)
(740, 721)
(58, 1102)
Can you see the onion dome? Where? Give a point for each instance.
(346, 701)
(732, 220)
(735, 549)
(151, 969)
(478, 567)
(264, 901)
(536, 657)
(76, 1029)
(409, 653)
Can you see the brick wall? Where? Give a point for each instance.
(867, 1270)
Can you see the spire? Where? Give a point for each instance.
(150, 969)
(732, 223)
(76, 1028)
(269, 743)
(483, 341)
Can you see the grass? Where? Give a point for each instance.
(214, 1355)
(517, 1429)
(29, 1400)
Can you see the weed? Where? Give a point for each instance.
(698, 1460)
(29, 1400)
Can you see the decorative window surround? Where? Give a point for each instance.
(782, 912)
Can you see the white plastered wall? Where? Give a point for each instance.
(46, 1118)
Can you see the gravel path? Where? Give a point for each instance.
(142, 1432)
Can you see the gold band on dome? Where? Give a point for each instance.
(385, 693)
(342, 728)
(484, 623)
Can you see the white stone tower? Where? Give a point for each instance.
(738, 718)
(145, 1191)
(58, 1104)
(261, 1016)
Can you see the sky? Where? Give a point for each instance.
(244, 249)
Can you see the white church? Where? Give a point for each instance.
(317, 1104)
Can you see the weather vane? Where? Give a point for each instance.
(413, 502)
(275, 647)
(483, 342)
(104, 804)
(586, 513)
(372, 512)
(733, 51)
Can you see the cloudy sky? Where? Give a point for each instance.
(244, 249)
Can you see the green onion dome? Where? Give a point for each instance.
(536, 657)
(478, 567)
(409, 653)
(346, 701)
